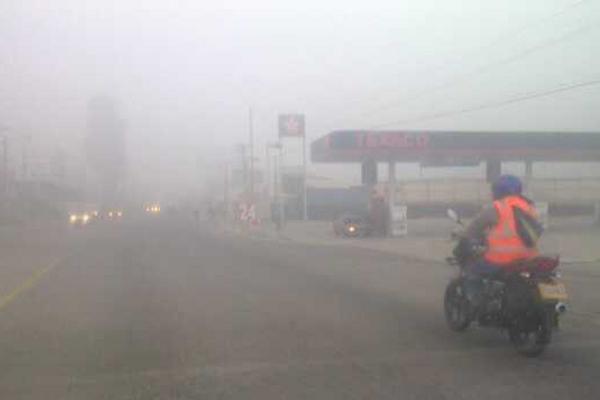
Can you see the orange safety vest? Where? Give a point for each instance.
(504, 246)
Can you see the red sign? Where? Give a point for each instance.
(247, 213)
(291, 125)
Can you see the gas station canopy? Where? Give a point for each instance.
(454, 147)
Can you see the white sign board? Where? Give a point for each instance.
(398, 220)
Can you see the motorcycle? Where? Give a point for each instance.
(526, 299)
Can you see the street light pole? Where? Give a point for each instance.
(4, 162)
(267, 174)
(304, 184)
(279, 185)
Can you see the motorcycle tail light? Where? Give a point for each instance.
(546, 264)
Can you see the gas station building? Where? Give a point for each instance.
(452, 148)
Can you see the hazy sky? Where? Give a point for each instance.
(185, 72)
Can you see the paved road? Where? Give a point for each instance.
(153, 310)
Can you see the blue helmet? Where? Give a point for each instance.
(506, 185)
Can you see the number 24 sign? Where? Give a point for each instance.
(247, 212)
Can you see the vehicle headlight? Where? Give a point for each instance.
(72, 218)
(352, 229)
(85, 218)
(119, 213)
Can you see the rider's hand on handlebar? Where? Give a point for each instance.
(457, 233)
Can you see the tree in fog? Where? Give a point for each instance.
(105, 146)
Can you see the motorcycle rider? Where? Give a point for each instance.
(510, 229)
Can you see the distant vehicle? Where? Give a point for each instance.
(152, 208)
(81, 213)
(80, 219)
(113, 214)
(351, 226)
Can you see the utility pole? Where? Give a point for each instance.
(277, 183)
(25, 157)
(251, 134)
(244, 160)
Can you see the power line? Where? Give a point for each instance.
(502, 37)
(496, 104)
(528, 26)
(485, 68)
(518, 30)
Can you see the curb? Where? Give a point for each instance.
(408, 257)
(271, 235)
(575, 261)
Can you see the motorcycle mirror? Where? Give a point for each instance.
(453, 215)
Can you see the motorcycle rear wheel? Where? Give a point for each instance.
(456, 307)
(532, 342)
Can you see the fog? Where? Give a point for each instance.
(162, 238)
(184, 74)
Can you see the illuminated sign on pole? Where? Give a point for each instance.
(291, 125)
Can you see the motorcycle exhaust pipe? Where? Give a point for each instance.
(561, 308)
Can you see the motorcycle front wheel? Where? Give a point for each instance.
(456, 307)
(531, 334)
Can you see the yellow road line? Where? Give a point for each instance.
(27, 284)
